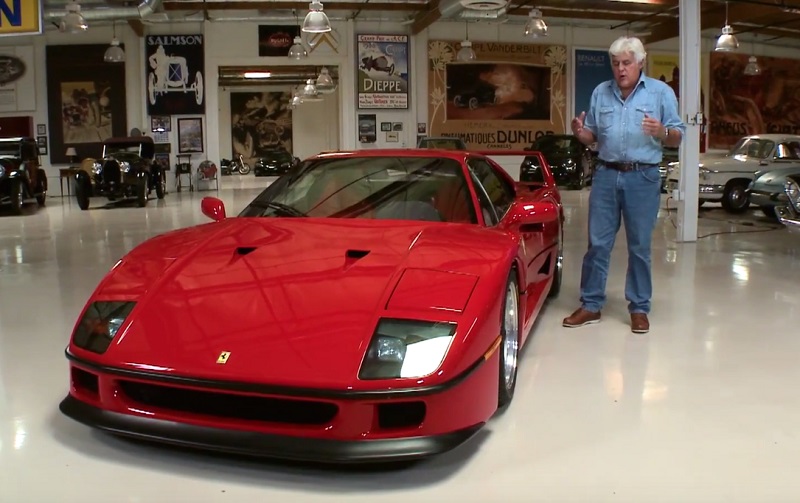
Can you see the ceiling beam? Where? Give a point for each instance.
(137, 26)
(427, 17)
(711, 18)
(195, 6)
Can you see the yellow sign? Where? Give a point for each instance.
(20, 17)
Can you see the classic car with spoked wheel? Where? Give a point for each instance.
(788, 212)
(21, 177)
(725, 178)
(126, 171)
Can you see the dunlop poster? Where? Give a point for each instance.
(742, 105)
(512, 94)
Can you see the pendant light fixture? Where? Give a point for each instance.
(752, 69)
(325, 83)
(316, 21)
(114, 53)
(297, 51)
(727, 41)
(466, 54)
(73, 21)
(535, 27)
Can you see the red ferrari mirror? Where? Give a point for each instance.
(213, 208)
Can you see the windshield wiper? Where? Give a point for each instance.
(282, 208)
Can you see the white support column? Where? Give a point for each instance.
(690, 111)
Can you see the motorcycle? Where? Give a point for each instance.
(230, 166)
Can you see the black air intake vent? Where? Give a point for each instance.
(244, 250)
(357, 254)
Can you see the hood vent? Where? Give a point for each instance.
(245, 250)
(353, 256)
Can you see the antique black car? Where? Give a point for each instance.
(126, 171)
(571, 162)
(21, 177)
(274, 162)
(479, 94)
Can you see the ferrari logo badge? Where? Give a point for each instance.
(223, 357)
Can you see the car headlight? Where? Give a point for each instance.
(100, 324)
(97, 168)
(125, 166)
(792, 190)
(2, 170)
(406, 349)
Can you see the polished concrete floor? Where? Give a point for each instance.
(704, 408)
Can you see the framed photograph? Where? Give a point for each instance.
(397, 126)
(386, 126)
(190, 135)
(162, 160)
(41, 129)
(422, 127)
(392, 137)
(160, 123)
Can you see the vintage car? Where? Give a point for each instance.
(570, 161)
(768, 189)
(274, 162)
(788, 213)
(381, 300)
(725, 178)
(479, 94)
(126, 171)
(21, 177)
(442, 143)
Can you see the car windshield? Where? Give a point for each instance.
(442, 143)
(122, 149)
(556, 144)
(752, 147)
(402, 188)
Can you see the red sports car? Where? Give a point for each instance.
(366, 306)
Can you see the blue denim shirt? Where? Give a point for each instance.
(617, 123)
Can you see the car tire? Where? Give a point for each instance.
(141, 194)
(558, 271)
(769, 212)
(81, 195)
(160, 188)
(17, 194)
(510, 323)
(734, 198)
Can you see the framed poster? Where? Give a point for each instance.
(276, 40)
(86, 100)
(175, 74)
(382, 78)
(592, 67)
(190, 135)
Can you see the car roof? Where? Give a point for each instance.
(456, 155)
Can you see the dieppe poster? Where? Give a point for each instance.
(382, 71)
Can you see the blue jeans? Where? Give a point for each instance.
(634, 197)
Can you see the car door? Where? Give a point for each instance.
(495, 197)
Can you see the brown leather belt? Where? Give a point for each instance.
(627, 166)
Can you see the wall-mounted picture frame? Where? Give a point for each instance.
(160, 123)
(41, 129)
(386, 126)
(392, 137)
(190, 135)
(397, 126)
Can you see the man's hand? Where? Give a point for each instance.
(577, 124)
(652, 127)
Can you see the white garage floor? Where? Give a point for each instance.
(703, 408)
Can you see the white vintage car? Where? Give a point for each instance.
(724, 178)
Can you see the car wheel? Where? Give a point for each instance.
(160, 188)
(509, 344)
(82, 195)
(141, 193)
(17, 196)
(734, 198)
(555, 287)
(769, 212)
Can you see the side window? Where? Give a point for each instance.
(500, 194)
(787, 150)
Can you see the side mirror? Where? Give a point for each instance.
(213, 208)
(532, 216)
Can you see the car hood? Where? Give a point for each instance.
(775, 177)
(718, 162)
(294, 301)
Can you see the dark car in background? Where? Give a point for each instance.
(274, 162)
(442, 142)
(21, 176)
(126, 171)
(571, 162)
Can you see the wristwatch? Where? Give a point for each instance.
(666, 132)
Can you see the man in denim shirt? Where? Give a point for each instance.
(631, 118)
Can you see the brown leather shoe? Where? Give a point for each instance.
(639, 323)
(580, 318)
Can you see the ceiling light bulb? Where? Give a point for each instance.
(466, 53)
(535, 27)
(325, 83)
(114, 53)
(316, 21)
(752, 67)
(727, 42)
(297, 51)
(73, 21)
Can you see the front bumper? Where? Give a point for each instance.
(325, 426)
(262, 444)
(766, 198)
(705, 192)
(788, 217)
